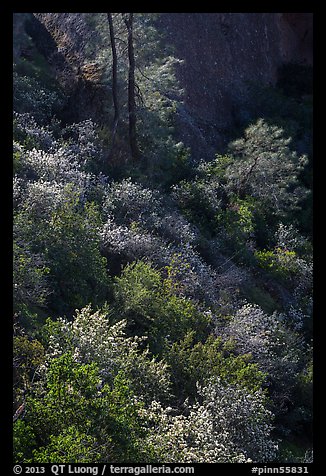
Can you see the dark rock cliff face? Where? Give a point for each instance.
(222, 53)
(60, 38)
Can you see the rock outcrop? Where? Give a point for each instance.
(222, 53)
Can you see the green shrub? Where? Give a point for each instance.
(70, 446)
(66, 235)
(28, 355)
(75, 419)
(24, 442)
(193, 363)
(31, 96)
(261, 297)
(152, 309)
(200, 200)
(279, 262)
(236, 225)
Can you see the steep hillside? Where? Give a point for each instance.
(162, 205)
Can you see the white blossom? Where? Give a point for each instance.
(92, 338)
(228, 425)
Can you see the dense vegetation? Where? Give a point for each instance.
(162, 303)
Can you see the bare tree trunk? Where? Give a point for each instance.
(131, 89)
(114, 84)
(246, 176)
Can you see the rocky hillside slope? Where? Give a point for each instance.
(222, 53)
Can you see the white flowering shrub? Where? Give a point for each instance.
(34, 204)
(92, 338)
(79, 141)
(228, 425)
(288, 237)
(57, 167)
(130, 202)
(18, 191)
(18, 151)
(42, 198)
(52, 214)
(68, 158)
(131, 243)
(140, 225)
(158, 275)
(193, 276)
(277, 348)
(32, 135)
(303, 288)
(83, 143)
(173, 227)
(295, 318)
(261, 334)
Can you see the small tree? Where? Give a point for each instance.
(129, 21)
(265, 167)
(114, 82)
